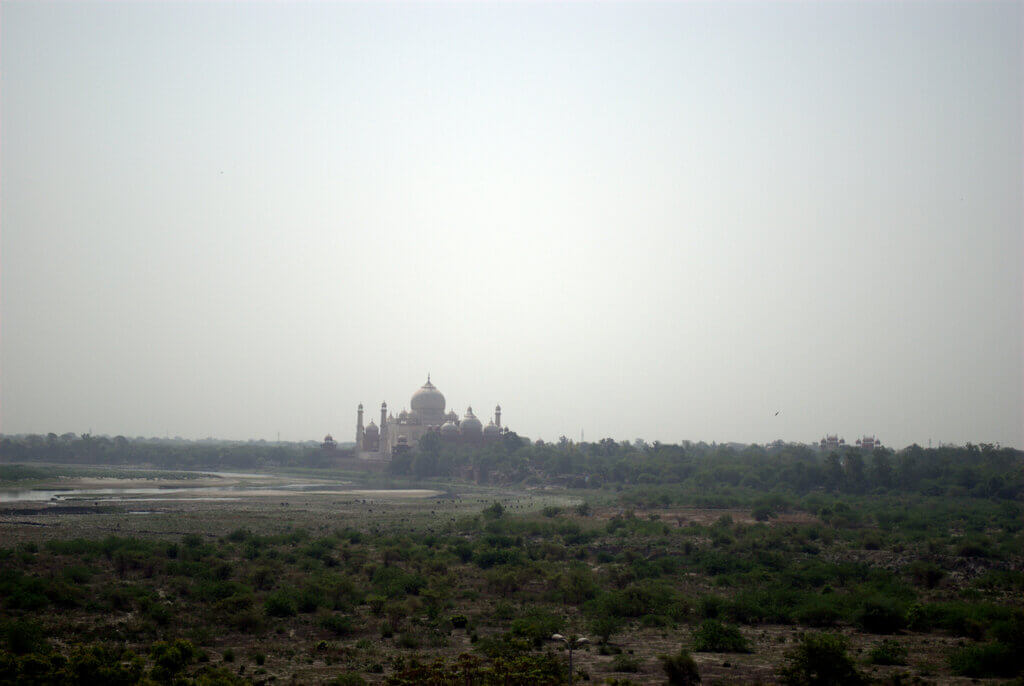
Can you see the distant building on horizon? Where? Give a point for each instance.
(869, 443)
(833, 442)
(830, 443)
(396, 435)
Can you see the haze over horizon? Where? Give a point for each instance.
(658, 220)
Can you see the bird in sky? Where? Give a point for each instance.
(777, 413)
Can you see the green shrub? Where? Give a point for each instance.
(888, 652)
(986, 661)
(680, 668)
(280, 604)
(171, 658)
(655, 622)
(880, 617)
(606, 626)
(309, 599)
(77, 574)
(23, 636)
(925, 574)
(350, 679)
(973, 550)
(536, 625)
(408, 640)
(337, 623)
(248, 621)
(625, 663)
(818, 660)
(715, 637)
(495, 511)
(818, 613)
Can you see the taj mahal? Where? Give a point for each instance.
(395, 435)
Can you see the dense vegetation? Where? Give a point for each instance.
(978, 471)
(372, 602)
(718, 548)
(983, 471)
(163, 453)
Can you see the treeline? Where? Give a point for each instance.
(972, 470)
(985, 470)
(160, 453)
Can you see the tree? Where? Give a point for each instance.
(680, 668)
(853, 466)
(882, 473)
(820, 660)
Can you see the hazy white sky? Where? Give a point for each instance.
(665, 220)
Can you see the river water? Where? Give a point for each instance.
(148, 493)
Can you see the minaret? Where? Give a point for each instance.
(383, 421)
(497, 416)
(359, 427)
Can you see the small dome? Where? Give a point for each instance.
(470, 424)
(491, 429)
(449, 429)
(404, 414)
(328, 438)
(452, 417)
(371, 429)
(428, 398)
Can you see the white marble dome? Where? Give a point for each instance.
(470, 424)
(428, 399)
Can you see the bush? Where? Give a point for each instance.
(625, 663)
(605, 626)
(280, 604)
(715, 637)
(888, 652)
(817, 660)
(680, 668)
(879, 617)
(247, 621)
(340, 625)
(536, 625)
(817, 613)
(926, 574)
(350, 679)
(170, 658)
(987, 660)
(23, 636)
(408, 640)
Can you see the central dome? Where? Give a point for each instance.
(428, 403)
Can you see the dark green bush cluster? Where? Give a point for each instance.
(888, 652)
(714, 637)
(820, 659)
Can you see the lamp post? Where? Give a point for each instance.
(571, 643)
